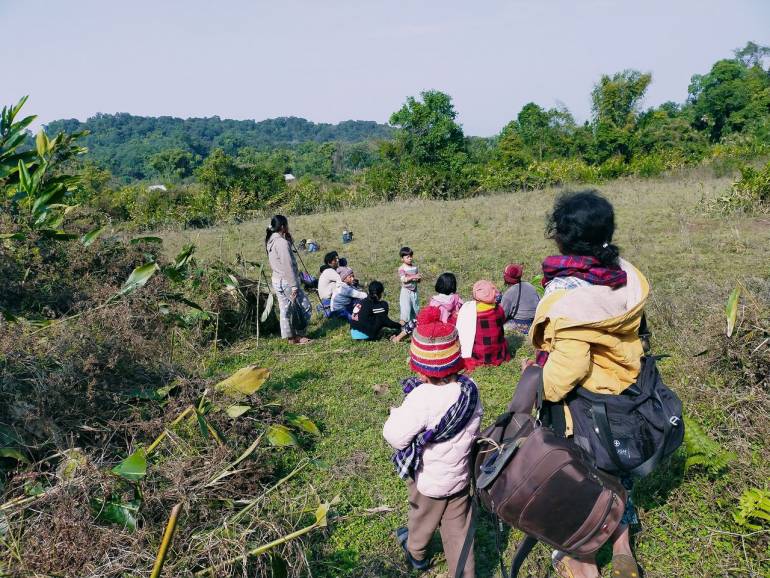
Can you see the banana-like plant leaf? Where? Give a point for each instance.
(302, 422)
(137, 240)
(138, 278)
(237, 410)
(13, 454)
(203, 426)
(114, 511)
(731, 310)
(184, 257)
(24, 179)
(280, 436)
(268, 308)
(91, 236)
(41, 143)
(134, 467)
(243, 382)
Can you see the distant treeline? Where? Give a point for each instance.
(127, 145)
(214, 173)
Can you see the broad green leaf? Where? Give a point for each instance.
(91, 236)
(302, 422)
(183, 258)
(243, 382)
(14, 236)
(237, 410)
(138, 278)
(137, 240)
(58, 235)
(280, 436)
(202, 424)
(134, 467)
(732, 310)
(114, 511)
(24, 178)
(268, 308)
(41, 143)
(13, 454)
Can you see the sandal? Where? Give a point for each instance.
(402, 535)
(560, 566)
(624, 566)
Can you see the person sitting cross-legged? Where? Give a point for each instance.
(370, 315)
(344, 294)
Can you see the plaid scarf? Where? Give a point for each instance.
(583, 267)
(409, 460)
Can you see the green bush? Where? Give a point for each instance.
(750, 193)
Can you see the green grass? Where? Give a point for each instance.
(692, 261)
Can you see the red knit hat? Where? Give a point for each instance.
(435, 348)
(512, 273)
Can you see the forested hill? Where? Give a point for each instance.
(123, 142)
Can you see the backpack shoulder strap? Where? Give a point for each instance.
(525, 547)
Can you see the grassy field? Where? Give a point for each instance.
(692, 260)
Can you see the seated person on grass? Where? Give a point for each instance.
(328, 280)
(519, 300)
(370, 315)
(344, 294)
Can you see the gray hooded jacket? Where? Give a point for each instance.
(282, 260)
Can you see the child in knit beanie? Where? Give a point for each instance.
(480, 328)
(433, 431)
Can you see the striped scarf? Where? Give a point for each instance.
(409, 460)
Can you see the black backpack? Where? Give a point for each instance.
(630, 433)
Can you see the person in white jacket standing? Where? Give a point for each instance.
(286, 279)
(433, 431)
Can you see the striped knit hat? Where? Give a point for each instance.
(435, 349)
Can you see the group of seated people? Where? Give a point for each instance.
(481, 322)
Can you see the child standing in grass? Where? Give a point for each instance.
(433, 431)
(409, 276)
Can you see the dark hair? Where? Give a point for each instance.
(330, 256)
(582, 223)
(375, 290)
(446, 284)
(277, 223)
(405, 251)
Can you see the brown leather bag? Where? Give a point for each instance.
(543, 484)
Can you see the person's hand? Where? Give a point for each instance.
(293, 295)
(525, 363)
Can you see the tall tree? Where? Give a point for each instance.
(429, 134)
(615, 106)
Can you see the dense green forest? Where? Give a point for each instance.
(218, 170)
(129, 146)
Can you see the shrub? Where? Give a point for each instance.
(750, 193)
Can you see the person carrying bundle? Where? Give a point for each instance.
(480, 326)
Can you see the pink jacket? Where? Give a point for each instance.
(449, 305)
(444, 469)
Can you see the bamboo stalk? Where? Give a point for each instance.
(165, 542)
(259, 550)
(164, 433)
(248, 507)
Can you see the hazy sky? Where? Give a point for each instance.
(331, 60)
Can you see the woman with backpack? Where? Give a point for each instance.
(294, 306)
(586, 329)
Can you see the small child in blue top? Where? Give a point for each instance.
(409, 276)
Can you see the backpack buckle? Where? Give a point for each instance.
(674, 421)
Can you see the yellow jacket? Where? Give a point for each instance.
(592, 336)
